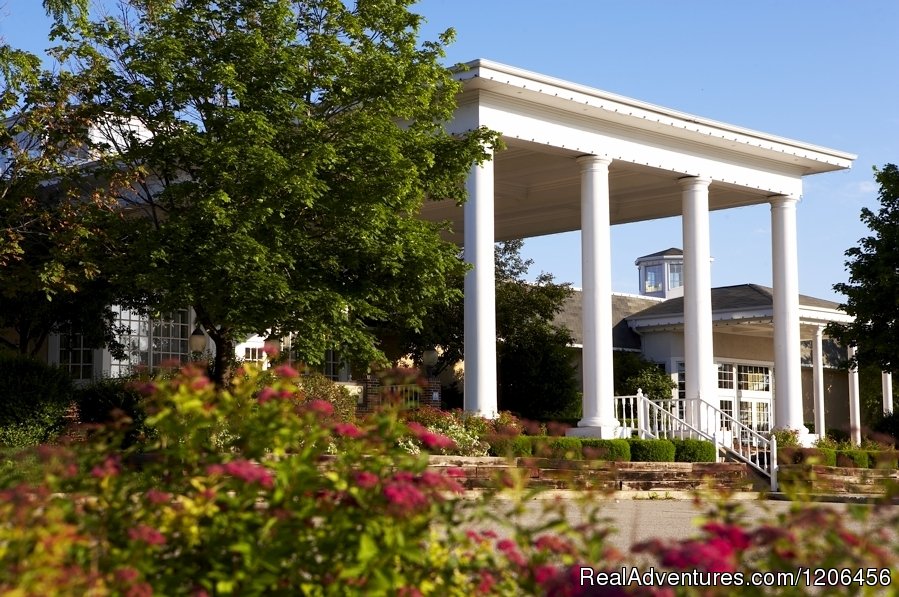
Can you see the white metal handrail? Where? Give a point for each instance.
(681, 418)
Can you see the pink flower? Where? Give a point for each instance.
(435, 440)
(347, 430)
(487, 582)
(146, 534)
(244, 470)
(366, 480)
(110, 467)
(404, 496)
(127, 574)
(322, 407)
(736, 536)
(200, 383)
(544, 573)
(416, 428)
(286, 371)
(552, 543)
(155, 496)
(266, 394)
(456, 472)
(139, 590)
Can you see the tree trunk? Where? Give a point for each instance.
(223, 363)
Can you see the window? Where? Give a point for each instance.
(725, 377)
(74, 356)
(654, 278)
(681, 381)
(754, 378)
(254, 354)
(727, 407)
(675, 275)
(331, 366)
(151, 342)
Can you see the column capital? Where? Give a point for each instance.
(783, 201)
(586, 161)
(689, 182)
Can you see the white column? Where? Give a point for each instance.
(855, 422)
(699, 356)
(480, 294)
(886, 379)
(596, 262)
(787, 355)
(818, 378)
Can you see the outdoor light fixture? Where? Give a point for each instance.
(197, 340)
(429, 358)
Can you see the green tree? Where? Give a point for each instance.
(283, 150)
(633, 372)
(872, 292)
(52, 216)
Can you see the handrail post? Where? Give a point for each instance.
(641, 419)
(772, 466)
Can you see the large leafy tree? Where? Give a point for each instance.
(52, 213)
(283, 150)
(872, 292)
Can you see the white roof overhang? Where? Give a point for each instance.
(749, 322)
(546, 123)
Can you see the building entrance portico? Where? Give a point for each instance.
(577, 158)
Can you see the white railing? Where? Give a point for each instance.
(697, 419)
(409, 395)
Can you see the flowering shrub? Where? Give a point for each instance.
(463, 429)
(235, 494)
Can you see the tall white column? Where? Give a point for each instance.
(818, 377)
(699, 357)
(596, 262)
(480, 294)
(787, 355)
(886, 379)
(855, 421)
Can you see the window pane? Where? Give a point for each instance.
(654, 278)
(675, 275)
(726, 377)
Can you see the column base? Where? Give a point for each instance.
(598, 431)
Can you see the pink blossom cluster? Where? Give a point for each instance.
(110, 467)
(408, 492)
(268, 393)
(717, 552)
(428, 438)
(146, 534)
(244, 470)
(347, 430)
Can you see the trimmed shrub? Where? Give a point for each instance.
(794, 455)
(109, 400)
(562, 448)
(888, 459)
(694, 450)
(613, 450)
(651, 450)
(511, 447)
(316, 386)
(34, 398)
(852, 458)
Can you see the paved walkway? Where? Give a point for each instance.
(666, 516)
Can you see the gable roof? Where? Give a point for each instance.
(672, 252)
(623, 306)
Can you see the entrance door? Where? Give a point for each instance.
(754, 396)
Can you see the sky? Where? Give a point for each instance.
(818, 71)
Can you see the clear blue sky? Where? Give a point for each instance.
(818, 71)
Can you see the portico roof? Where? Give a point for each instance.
(546, 123)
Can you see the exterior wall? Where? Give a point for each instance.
(836, 398)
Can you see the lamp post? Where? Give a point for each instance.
(196, 342)
(429, 359)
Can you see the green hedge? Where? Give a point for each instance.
(510, 447)
(888, 459)
(651, 450)
(694, 450)
(561, 448)
(109, 400)
(613, 450)
(794, 455)
(852, 458)
(34, 398)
